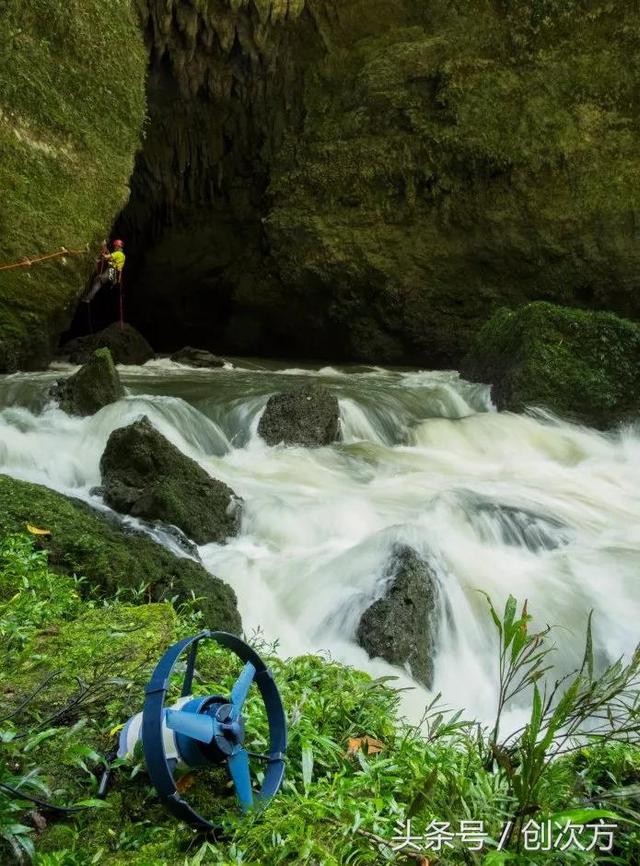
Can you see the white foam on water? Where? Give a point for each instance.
(426, 462)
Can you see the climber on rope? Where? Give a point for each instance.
(109, 269)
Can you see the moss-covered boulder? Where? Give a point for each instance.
(145, 475)
(579, 364)
(94, 386)
(402, 626)
(308, 416)
(126, 344)
(85, 542)
(72, 79)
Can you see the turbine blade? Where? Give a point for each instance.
(241, 688)
(196, 726)
(238, 764)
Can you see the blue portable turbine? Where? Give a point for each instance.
(206, 731)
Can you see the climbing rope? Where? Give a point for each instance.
(121, 307)
(26, 263)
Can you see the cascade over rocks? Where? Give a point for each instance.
(126, 344)
(308, 416)
(95, 385)
(517, 527)
(145, 475)
(579, 364)
(112, 556)
(402, 626)
(191, 357)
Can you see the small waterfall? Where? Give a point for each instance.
(501, 503)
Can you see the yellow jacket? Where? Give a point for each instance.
(117, 259)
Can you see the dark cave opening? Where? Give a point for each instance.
(199, 270)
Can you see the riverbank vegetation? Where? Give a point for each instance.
(74, 668)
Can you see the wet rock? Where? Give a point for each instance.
(191, 357)
(146, 476)
(127, 346)
(308, 416)
(402, 626)
(111, 555)
(518, 527)
(94, 386)
(581, 365)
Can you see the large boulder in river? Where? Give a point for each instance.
(308, 416)
(112, 556)
(127, 346)
(202, 358)
(145, 475)
(402, 626)
(94, 386)
(581, 365)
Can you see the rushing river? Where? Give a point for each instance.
(503, 503)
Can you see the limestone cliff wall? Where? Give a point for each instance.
(363, 179)
(72, 80)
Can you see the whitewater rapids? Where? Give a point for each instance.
(526, 505)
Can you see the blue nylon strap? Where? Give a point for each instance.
(160, 769)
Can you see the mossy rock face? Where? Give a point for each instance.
(147, 476)
(72, 79)
(581, 365)
(86, 543)
(402, 627)
(308, 416)
(127, 346)
(94, 386)
(463, 158)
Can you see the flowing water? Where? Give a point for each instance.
(526, 505)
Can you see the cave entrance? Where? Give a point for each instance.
(199, 270)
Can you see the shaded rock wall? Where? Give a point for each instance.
(370, 180)
(363, 179)
(72, 80)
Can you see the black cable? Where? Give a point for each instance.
(28, 700)
(49, 807)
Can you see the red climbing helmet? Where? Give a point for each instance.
(118, 245)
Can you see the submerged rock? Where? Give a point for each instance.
(308, 416)
(582, 365)
(402, 627)
(127, 346)
(110, 556)
(191, 357)
(518, 527)
(145, 475)
(94, 386)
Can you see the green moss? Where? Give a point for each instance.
(71, 109)
(577, 363)
(469, 156)
(85, 543)
(102, 652)
(147, 476)
(94, 386)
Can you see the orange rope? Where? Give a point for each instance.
(26, 263)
